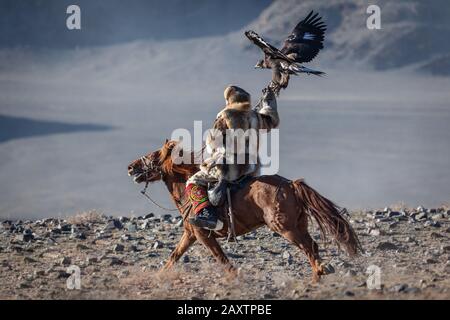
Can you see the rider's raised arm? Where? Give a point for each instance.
(267, 111)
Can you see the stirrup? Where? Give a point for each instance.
(206, 224)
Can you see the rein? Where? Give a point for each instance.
(143, 192)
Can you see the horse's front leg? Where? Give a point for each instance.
(187, 239)
(211, 243)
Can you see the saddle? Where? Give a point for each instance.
(217, 191)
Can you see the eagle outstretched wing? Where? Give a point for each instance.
(306, 40)
(266, 47)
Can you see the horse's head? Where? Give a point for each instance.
(146, 168)
(155, 165)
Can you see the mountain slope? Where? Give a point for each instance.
(38, 23)
(412, 32)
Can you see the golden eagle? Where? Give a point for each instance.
(303, 45)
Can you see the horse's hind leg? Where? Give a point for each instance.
(187, 239)
(304, 241)
(295, 230)
(212, 244)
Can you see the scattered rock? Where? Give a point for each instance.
(349, 293)
(378, 214)
(24, 285)
(56, 231)
(421, 216)
(328, 268)
(65, 261)
(344, 264)
(65, 227)
(399, 288)
(394, 214)
(158, 245)
(38, 273)
(104, 234)
(153, 255)
(113, 224)
(146, 224)
(148, 216)
(131, 226)
(118, 247)
(430, 261)
(412, 290)
(393, 225)
(125, 237)
(175, 220)
(61, 274)
(115, 261)
(91, 260)
(350, 273)
(436, 217)
(287, 256)
(124, 273)
(26, 236)
(410, 239)
(429, 223)
(35, 246)
(81, 247)
(78, 235)
(385, 246)
(420, 209)
(436, 235)
(29, 260)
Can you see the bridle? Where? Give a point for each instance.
(147, 166)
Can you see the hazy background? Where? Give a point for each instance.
(77, 106)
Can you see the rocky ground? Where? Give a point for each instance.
(119, 258)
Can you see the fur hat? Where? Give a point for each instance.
(234, 94)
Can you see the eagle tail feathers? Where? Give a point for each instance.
(296, 68)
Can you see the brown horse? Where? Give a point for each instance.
(281, 204)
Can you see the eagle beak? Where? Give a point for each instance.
(257, 66)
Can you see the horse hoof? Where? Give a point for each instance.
(232, 272)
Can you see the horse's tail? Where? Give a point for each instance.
(328, 216)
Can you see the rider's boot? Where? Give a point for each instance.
(206, 215)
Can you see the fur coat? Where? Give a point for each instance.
(234, 152)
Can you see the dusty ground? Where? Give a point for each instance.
(120, 258)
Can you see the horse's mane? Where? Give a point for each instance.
(170, 168)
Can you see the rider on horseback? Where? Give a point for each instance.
(237, 115)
